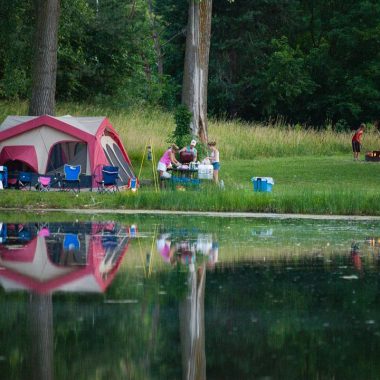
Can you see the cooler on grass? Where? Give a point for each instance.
(264, 184)
(205, 171)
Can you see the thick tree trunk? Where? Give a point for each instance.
(45, 58)
(195, 77)
(41, 334)
(192, 326)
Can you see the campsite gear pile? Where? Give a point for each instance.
(373, 156)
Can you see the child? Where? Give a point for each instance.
(357, 140)
(214, 158)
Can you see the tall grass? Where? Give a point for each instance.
(303, 201)
(239, 140)
(236, 140)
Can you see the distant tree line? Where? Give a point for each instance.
(304, 61)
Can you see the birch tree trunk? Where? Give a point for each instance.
(195, 76)
(45, 58)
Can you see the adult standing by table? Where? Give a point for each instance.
(357, 141)
(214, 158)
(167, 160)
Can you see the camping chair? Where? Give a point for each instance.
(23, 234)
(71, 242)
(24, 180)
(71, 178)
(43, 183)
(108, 183)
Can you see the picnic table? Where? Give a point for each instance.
(184, 177)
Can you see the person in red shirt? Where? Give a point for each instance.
(357, 141)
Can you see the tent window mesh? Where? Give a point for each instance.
(72, 153)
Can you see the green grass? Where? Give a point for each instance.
(317, 185)
(313, 171)
(236, 140)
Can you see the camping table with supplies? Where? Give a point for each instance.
(184, 177)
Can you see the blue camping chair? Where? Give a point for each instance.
(108, 182)
(24, 180)
(71, 242)
(71, 178)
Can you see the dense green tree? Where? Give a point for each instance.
(312, 62)
(15, 48)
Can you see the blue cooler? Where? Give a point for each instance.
(4, 176)
(264, 184)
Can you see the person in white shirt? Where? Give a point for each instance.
(214, 158)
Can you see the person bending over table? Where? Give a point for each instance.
(189, 153)
(167, 160)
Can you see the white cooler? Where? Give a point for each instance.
(205, 171)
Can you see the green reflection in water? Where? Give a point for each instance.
(285, 299)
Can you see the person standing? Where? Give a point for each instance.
(357, 141)
(214, 158)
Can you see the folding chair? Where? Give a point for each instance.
(71, 242)
(43, 183)
(24, 180)
(108, 183)
(71, 178)
(24, 234)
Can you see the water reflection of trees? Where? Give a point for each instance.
(292, 318)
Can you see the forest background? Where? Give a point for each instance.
(314, 63)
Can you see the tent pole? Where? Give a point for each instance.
(152, 250)
(155, 175)
(142, 161)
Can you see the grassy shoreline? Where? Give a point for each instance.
(315, 185)
(314, 172)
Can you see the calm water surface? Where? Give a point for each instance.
(188, 298)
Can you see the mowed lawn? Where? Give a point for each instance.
(292, 174)
(307, 185)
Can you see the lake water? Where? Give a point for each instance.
(146, 297)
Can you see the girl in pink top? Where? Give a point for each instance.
(167, 160)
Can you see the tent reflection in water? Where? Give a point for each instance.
(68, 257)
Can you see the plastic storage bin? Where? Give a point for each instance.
(205, 171)
(264, 184)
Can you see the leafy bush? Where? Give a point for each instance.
(181, 135)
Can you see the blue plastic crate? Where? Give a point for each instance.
(263, 184)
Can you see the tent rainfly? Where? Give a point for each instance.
(44, 144)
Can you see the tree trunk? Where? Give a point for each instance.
(41, 333)
(192, 327)
(195, 76)
(45, 58)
